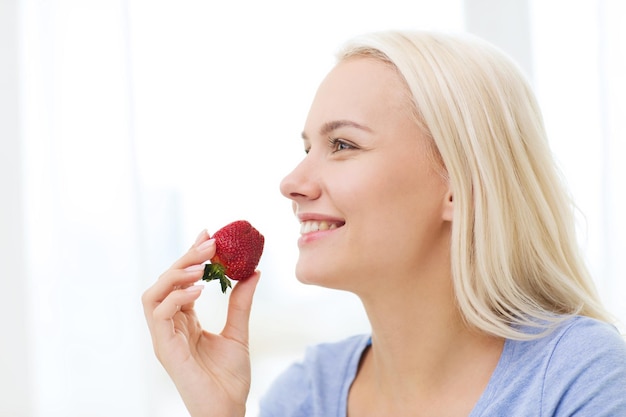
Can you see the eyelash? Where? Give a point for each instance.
(335, 142)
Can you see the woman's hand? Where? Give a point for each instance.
(211, 371)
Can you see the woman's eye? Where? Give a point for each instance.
(339, 145)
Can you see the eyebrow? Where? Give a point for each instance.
(336, 124)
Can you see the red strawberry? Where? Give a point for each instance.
(238, 248)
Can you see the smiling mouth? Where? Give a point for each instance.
(310, 226)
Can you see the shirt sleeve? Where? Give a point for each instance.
(586, 375)
(288, 396)
(318, 385)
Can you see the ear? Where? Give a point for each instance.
(448, 207)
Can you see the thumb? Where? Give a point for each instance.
(239, 306)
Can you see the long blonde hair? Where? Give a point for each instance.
(516, 263)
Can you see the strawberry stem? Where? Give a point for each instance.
(216, 271)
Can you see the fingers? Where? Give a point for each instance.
(174, 302)
(171, 280)
(202, 236)
(174, 291)
(186, 270)
(183, 273)
(239, 307)
(162, 324)
(201, 251)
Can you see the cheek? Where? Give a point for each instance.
(392, 216)
(386, 199)
(397, 220)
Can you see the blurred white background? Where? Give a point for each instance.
(127, 126)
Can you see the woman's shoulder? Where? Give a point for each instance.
(584, 340)
(574, 334)
(587, 335)
(587, 368)
(336, 351)
(316, 384)
(331, 357)
(578, 368)
(576, 341)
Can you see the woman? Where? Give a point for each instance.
(427, 169)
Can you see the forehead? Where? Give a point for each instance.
(362, 89)
(364, 76)
(371, 93)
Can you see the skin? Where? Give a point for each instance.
(395, 211)
(211, 371)
(378, 180)
(366, 171)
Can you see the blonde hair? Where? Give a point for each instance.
(515, 261)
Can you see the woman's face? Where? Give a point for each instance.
(371, 205)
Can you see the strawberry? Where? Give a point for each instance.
(238, 248)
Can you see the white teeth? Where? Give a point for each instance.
(315, 226)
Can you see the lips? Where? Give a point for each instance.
(310, 226)
(316, 222)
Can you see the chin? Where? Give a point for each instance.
(308, 276)
(314, 275)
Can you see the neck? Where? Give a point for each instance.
(422, 348)
(415, 329)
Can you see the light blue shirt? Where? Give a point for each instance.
(578, 370)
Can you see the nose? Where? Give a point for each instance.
(302, 183)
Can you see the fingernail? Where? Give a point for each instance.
(205, 245)
(201, 235)
(194, 268)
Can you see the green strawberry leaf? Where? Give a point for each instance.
(225, 283)
(216, 272)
